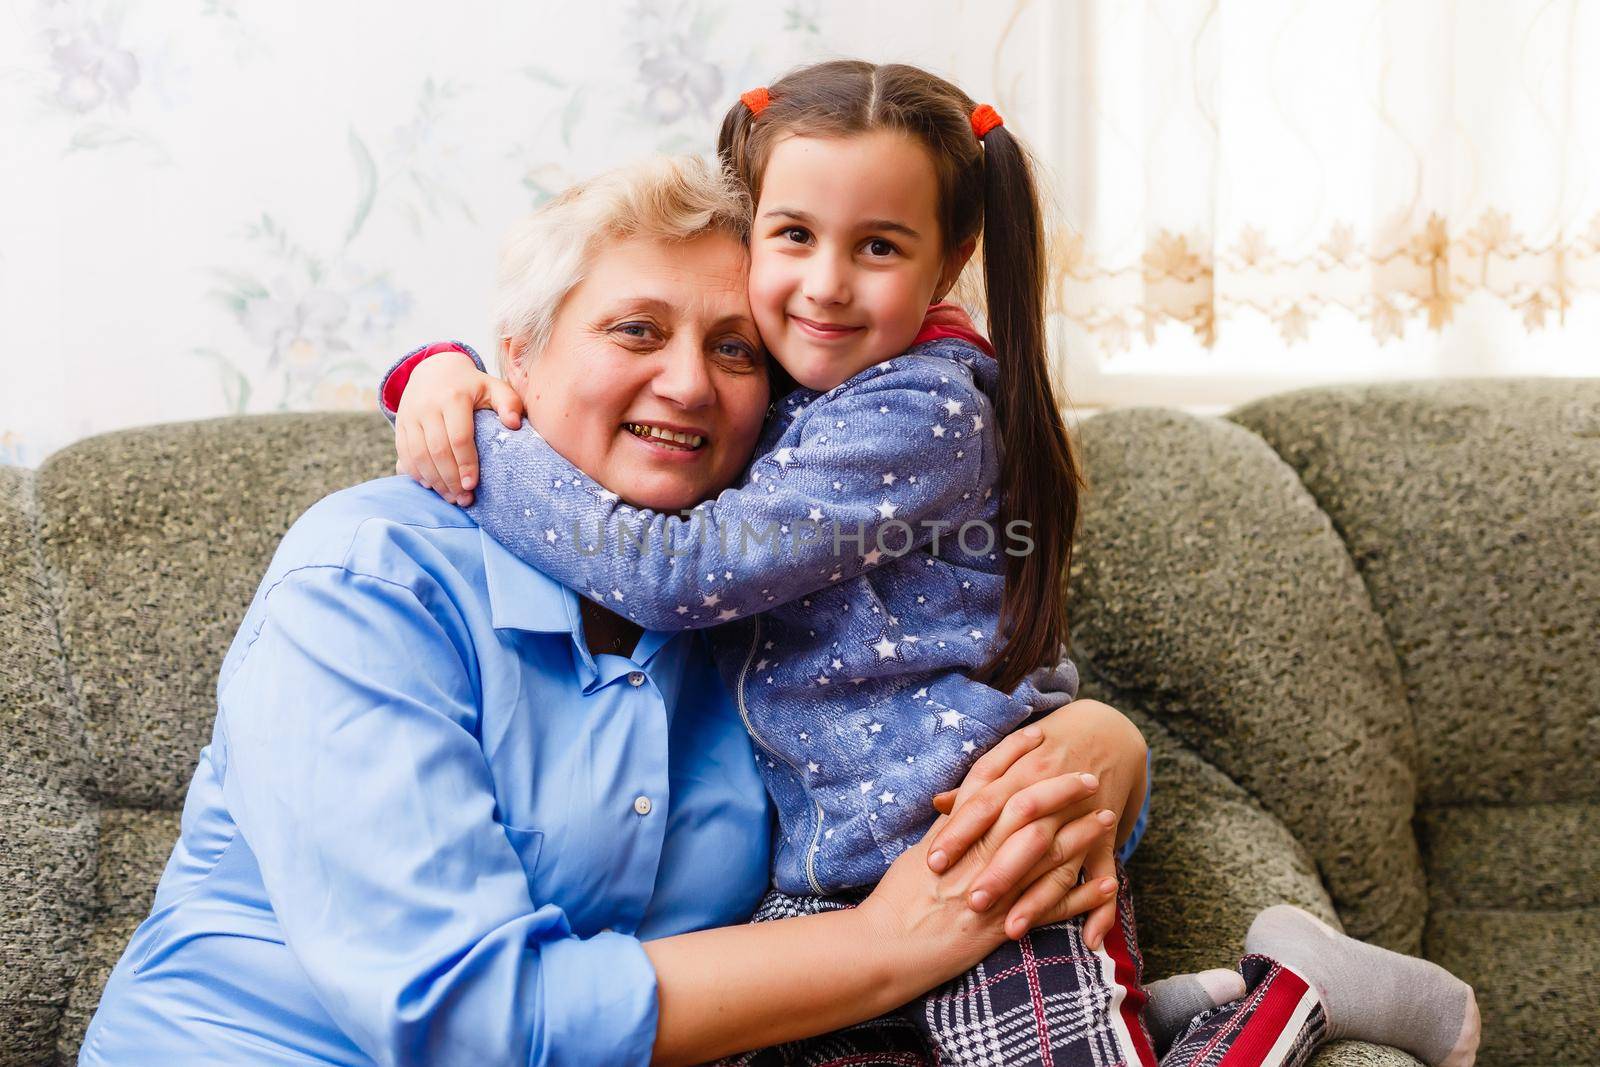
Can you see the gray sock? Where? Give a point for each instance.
(1174, 1002)
(1371, 994)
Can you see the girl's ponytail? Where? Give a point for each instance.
(1039, 476)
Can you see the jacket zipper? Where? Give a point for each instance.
(744, 713)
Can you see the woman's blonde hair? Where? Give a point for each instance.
(546, 254)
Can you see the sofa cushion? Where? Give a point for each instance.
(1211, 590)
(1210, 862)
(157, 539)
(47, 827)
(1472, 510)
(134, 847)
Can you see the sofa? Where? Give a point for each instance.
(1360, 627)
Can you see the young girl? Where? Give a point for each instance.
(888, 577)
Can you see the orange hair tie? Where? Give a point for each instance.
(984, 119)
(756, 100)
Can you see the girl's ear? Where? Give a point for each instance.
(954, 263)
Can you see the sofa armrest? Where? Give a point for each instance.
(1211, 860)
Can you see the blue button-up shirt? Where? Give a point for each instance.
(431, 827)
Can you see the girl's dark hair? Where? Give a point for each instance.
(985, 187)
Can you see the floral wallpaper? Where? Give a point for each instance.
(214, 206)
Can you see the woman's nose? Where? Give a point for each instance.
(685, 374)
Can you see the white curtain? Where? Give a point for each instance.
(1255, 192)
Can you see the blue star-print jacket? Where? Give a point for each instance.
(854, 578)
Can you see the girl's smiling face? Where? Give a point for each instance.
(846, 253)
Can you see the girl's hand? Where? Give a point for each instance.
(926, 917)
(1015, 791)
(433, 426)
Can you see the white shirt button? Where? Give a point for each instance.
(636, 678)
(641, 805)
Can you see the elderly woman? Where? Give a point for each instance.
(453, 813)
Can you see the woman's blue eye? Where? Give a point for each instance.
(735, 350)
(634, 329)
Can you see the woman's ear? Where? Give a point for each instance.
(511, 362)
(954, 263)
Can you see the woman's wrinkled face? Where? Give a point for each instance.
(654, 382)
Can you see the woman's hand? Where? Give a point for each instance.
(433, 426)
(935, 933)
(1015, 795)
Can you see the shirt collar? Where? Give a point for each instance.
(522, 597)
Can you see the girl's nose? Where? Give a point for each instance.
(685, 374)
(826, 281)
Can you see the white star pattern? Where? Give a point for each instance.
(710, 600)
(977, 423)
(815, 515)
(866, 787)
(813, 768)
(616, 594)
(727, 613)
(682, 609)
(836, 665)
(783, 457)
(968, 747)
(886, 649)
(875, 728)
(952, 407)
(938, 431)
(889, 478)
(550, 535)
(822, 679)
(886, 510)
(871, 558)
(950, 718)
(886, 797)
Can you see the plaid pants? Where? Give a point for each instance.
(1048, 1001)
